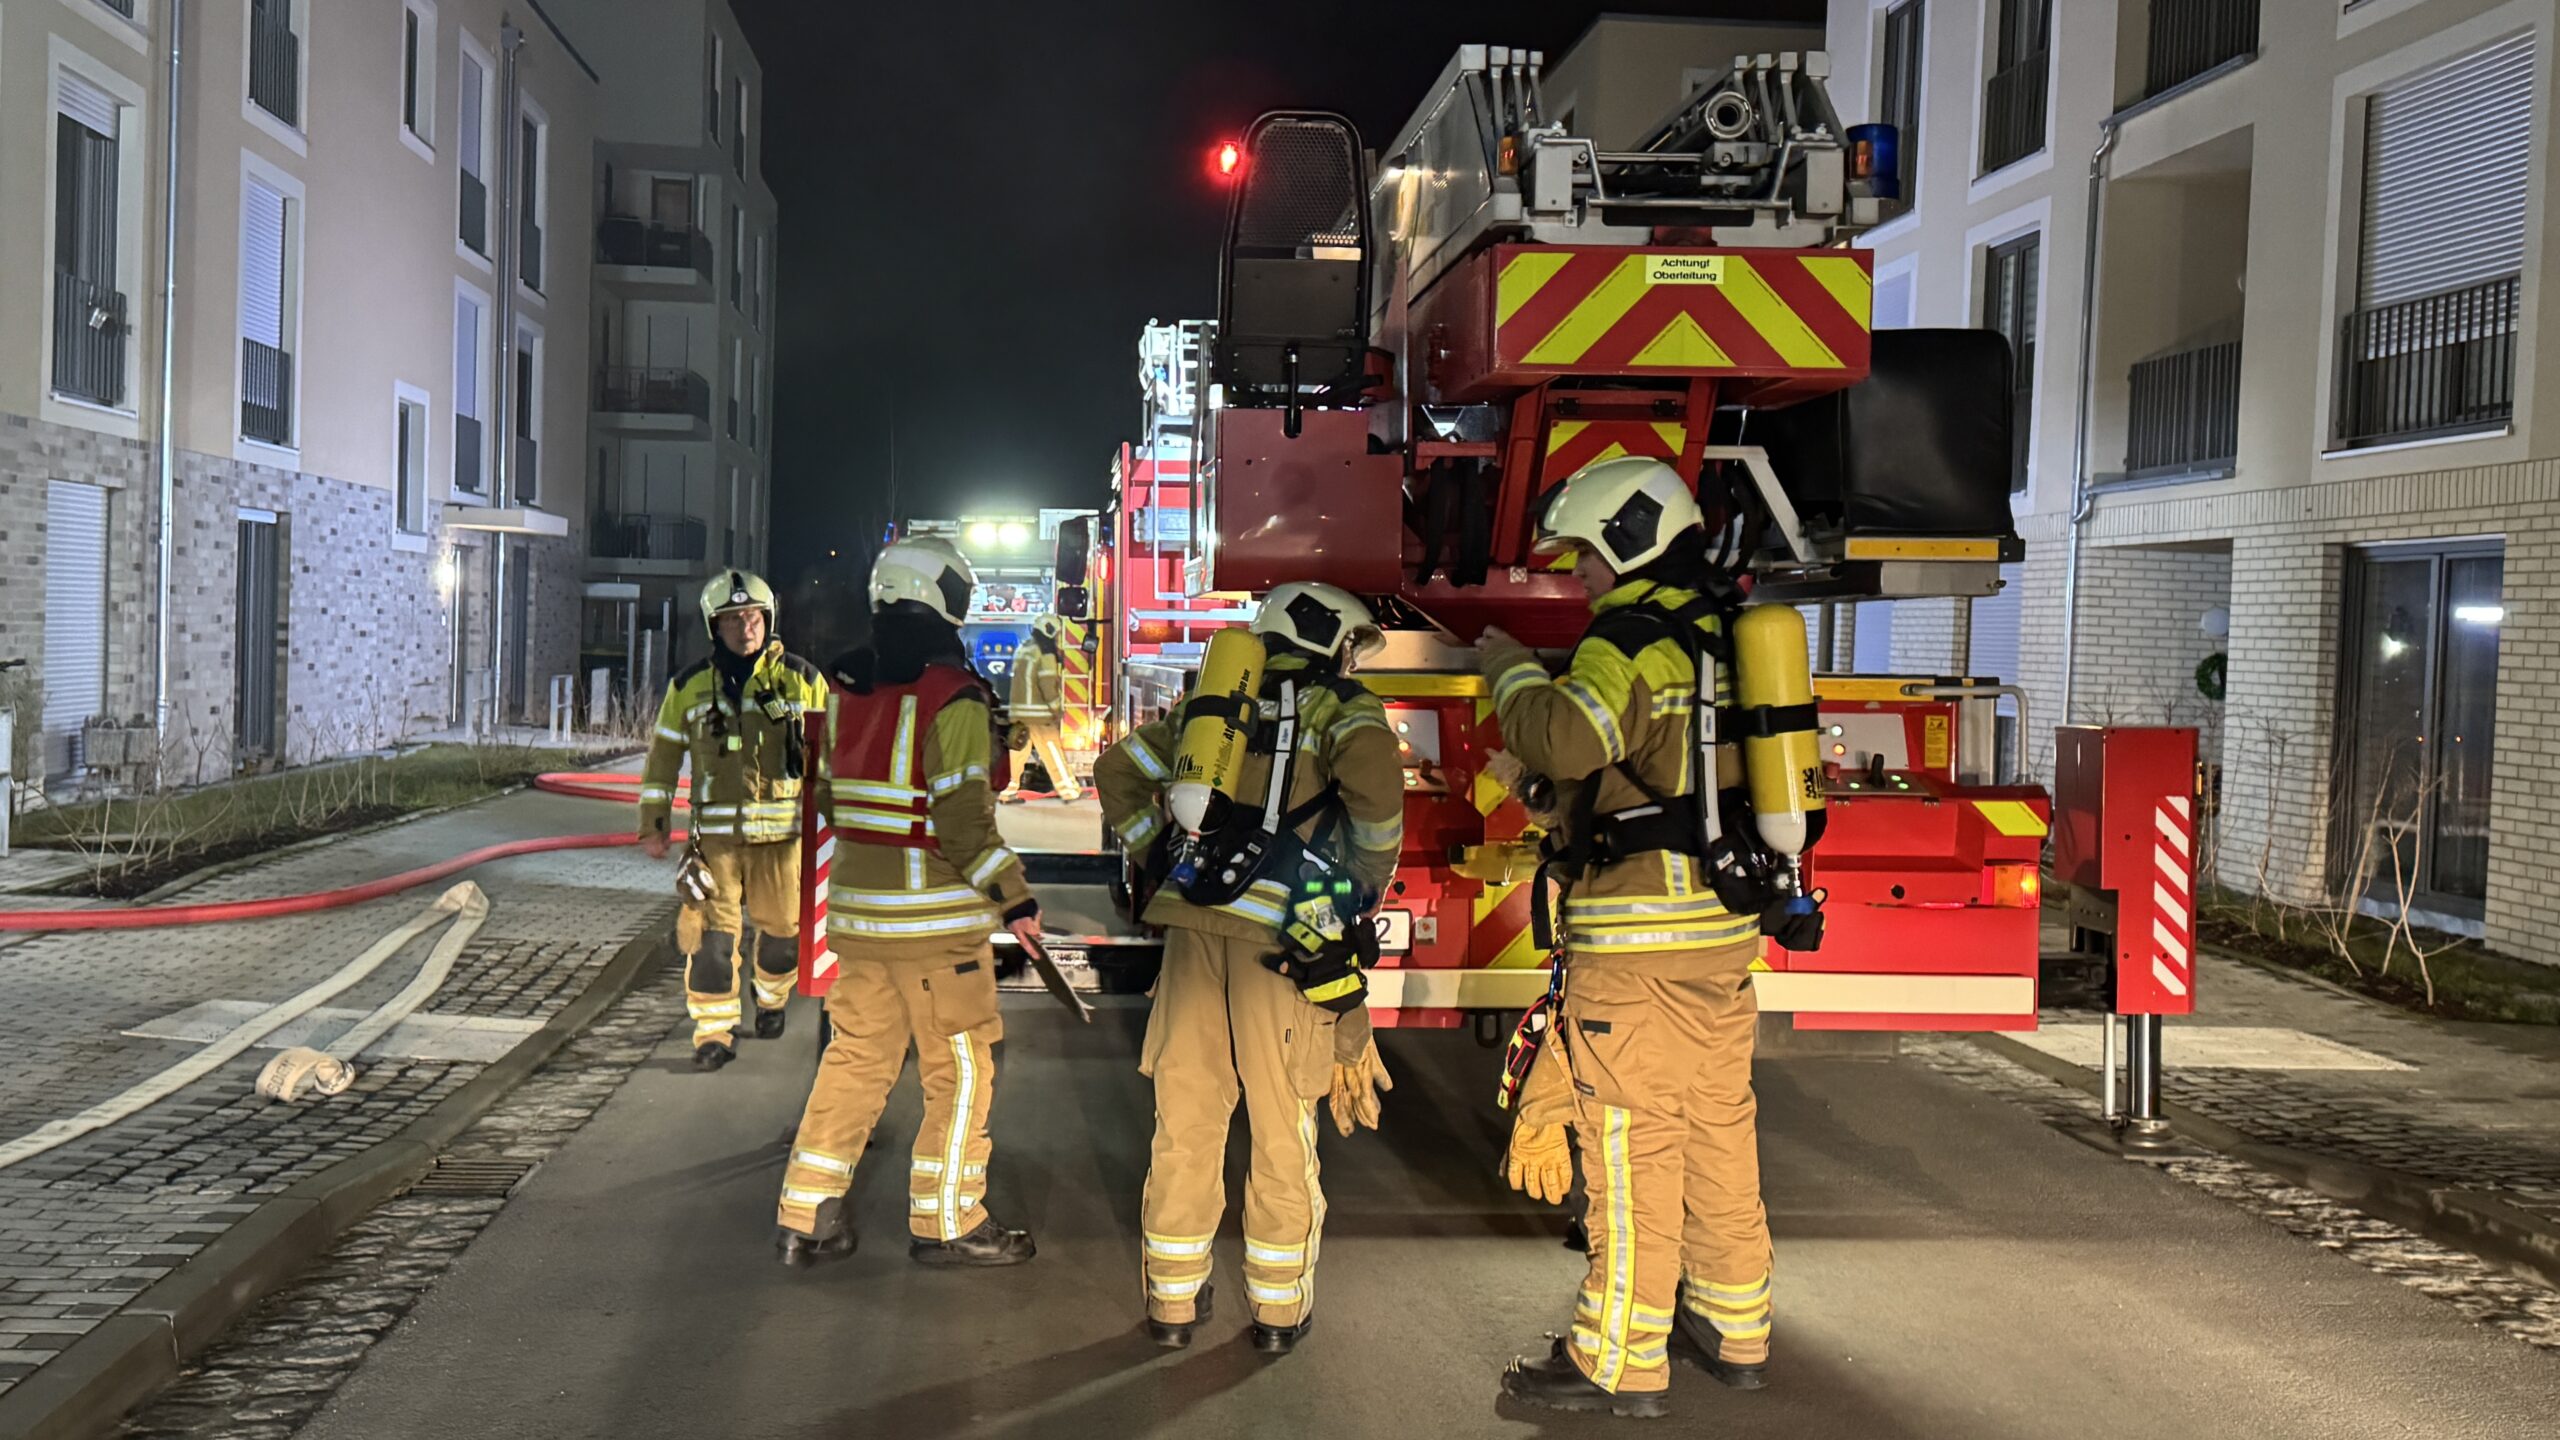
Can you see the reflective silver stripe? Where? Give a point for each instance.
(978, 921)
(1378, 835)
(1354, 719)
(676, 737)
(1696, 907)
(1259, 903)
(1138, 829)
(793, 1195)
(902, 759)
(1684, 939)
(1510, 682)
(1272, 1294)
(1176, 1289)
(1148, 762)
(1602, 722)
(1176, 1249)
(944, 784)
(874, 820)
(907, 899)
(816, 1161)
(1260, 1254)
(989, 865)
(925, 1204)
(870, 790)
(657, 792)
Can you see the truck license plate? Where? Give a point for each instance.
(1395, 931)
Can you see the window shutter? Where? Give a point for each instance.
(262, 265)
(85, 102)
(75, 599)
(2444, 176)
(474, 83)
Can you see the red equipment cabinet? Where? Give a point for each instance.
(2125, 844)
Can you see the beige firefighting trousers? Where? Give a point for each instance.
(762, 881)
(1666, 1126)
(941, 997)
(1049, 743)
(1225, 1025)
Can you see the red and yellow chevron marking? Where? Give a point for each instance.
(1499, 937)
(1080, 728)
(1682, 312)
(1572, 444)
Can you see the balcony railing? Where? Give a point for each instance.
(2439, 364)
(275, 62)
(2185, 411)
(666, 390)
(88, 340)
(475, 214)
(2013, 113)
(648, 537)
(528, 476)
(2189, 37)
(266, 393)
(469, 454)
(626, 240)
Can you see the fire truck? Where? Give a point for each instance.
(1443, 329)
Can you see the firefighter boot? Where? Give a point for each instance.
(1176, 1334)
(1281, 1339)
(777, 969)
(990, 1244)
(711, 996)
(1556, 1383)
(832, 1239)
(1706, 1350)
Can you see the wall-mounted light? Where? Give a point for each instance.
(448, 574)
(2480, 614)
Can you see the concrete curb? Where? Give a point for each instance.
(135, 1353)
(2467, 1220)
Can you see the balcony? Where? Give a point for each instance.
(88, 340)
(475, 214)
(266, 394)
(2437, 365)
(2013, 113)
(649, 538)
(2184, 418)
(2189, 38)
(275, 61)
(660, 254)
(469, 454)
(659, 398)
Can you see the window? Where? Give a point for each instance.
(2417, 713)
(2013, 99)
(89, 323)
(267, 305)
(755, 392)
(1899, 105)
(761, 313)
(124, 8)
(533, 189)
(737, 517)
(470, 447)
(471, 124)
(528, 417)
(409, 461)
(711, 89)
(275, 60)
(737, 257)
(418, 76)
(2430, 347)
(2009, 306)
(738, 122)
(737, 381)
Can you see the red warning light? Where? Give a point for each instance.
(1228, 159)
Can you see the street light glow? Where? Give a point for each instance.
(983, 533)
(1014, 535)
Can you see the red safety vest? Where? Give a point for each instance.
(876, 758)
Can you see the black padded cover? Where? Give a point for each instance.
(1921, 447)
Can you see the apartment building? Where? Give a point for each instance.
(2322, 486)
(678, 465)
(288, 467)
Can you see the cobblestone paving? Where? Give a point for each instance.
(86, 1227)
(2481, 1291)
(281, 1362)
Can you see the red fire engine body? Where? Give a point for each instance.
(1442, 332)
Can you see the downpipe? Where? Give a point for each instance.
(167, 540)
(2083, 500)
(504, 483)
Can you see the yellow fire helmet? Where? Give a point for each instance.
(737, 590)
(1049, 625)
(925, 571)
(1625, 510)
(1324, 620)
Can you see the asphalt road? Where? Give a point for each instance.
(1947, 1266)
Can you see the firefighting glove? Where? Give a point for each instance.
(693, 879)
(1358, 1082)
(1540, 1164)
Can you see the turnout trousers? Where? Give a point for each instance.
(940, 997)
(1049, 743)
(1225, 1027)
(759, 883)
(1666, 1127)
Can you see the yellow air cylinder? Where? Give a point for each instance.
(1210, 753)
(1772, 675)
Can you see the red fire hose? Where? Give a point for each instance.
(592, 787)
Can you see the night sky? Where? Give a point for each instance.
(983, 202)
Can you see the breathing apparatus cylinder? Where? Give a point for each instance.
(1773, 683)
(1209, 757)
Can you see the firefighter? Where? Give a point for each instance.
(1038, 707)
(1658, 1013)
(738, 716)
(920, 879)
(1243, 1011)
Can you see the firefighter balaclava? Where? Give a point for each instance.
(919, 595)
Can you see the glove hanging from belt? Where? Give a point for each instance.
(694, 884)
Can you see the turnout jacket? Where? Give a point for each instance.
(747, 755)
(1625, 700)
(1038, 686)
(1344, 741)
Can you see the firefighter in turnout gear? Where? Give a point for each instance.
(920, 879)
(738, 717)
(1039, 697)
(1658, 1011)
(1254, 1001)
